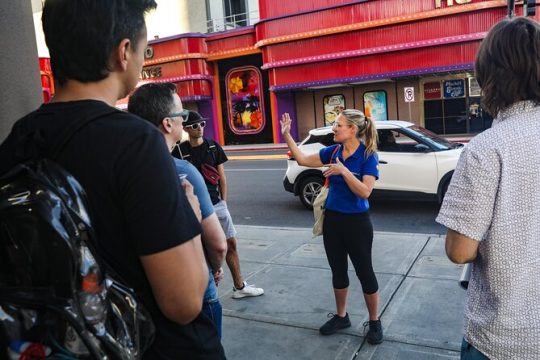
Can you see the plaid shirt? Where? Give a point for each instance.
(494, 198)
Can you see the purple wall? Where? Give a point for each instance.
(206, 110)
(286, 104)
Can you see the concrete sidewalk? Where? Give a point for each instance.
(421, 302)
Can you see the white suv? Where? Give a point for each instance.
(413, 161)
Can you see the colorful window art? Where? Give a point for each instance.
(245, 103)
(375, 105)
(333, 106)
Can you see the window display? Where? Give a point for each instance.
(333, 106)
(244, 103)
(376, 105)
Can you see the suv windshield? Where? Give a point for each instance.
(434, 140)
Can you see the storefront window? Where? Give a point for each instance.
(244, 103)
(333, 106)
(452, 107)
(376, 105)
(479, 120)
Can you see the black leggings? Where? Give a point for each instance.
(349, 234)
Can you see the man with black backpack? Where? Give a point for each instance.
(208, 157)
(150, 237)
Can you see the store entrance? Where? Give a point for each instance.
(456, 116)
(452, 106)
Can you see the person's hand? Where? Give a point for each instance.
(336, 168)
(192, 198)
(218, 276)
(285, 123)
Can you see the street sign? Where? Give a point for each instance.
(409, 94)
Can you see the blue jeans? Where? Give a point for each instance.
(469, 352)
(211, 305)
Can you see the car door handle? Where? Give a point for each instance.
(383, 162)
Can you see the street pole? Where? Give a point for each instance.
(511, 8)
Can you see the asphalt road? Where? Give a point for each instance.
(257, 197)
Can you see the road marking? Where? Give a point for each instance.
(257, 157)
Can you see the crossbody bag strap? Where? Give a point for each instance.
(326, 181)
(179, 151)
(212, 149)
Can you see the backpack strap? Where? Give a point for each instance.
(65, 137)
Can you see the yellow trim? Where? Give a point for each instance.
(257, 157)
(218, 55)
(383, 22)
(217, 105)
(171, 58)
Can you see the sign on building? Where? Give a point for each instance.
(409, 94)
(438, 3)
(454, 88)
(432, 90)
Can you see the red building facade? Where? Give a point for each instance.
(393, 59)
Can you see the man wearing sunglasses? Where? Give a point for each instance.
(208, 157)
(160, 104)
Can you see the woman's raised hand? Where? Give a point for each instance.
(285, 123)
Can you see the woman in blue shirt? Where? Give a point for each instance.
(347, 230)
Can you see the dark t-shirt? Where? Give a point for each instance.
(124, 166)
(209, 152)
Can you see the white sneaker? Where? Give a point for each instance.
(247, 290)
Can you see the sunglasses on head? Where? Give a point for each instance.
(184, 114)
(195, 126)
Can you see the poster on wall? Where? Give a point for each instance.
(244, 103)
(432, 90)
(333, 106)
(454, 88)
(376, 105)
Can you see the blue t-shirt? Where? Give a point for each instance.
(207, 209)
(199, 186)
(340, 197)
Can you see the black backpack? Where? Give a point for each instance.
(55, 289)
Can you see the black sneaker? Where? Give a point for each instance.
(374, 335)
(334, 324)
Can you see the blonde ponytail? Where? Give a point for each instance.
(370, 137)
(366, 129)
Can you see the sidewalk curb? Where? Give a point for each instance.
(299, 229)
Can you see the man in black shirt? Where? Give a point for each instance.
(150, 237)
(208, 157)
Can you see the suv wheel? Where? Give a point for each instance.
(310, 187)
(443, 190)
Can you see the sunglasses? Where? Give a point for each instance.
(195, 126)
(184, 114)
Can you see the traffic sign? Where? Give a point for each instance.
(409, 94)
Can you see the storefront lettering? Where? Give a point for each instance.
(152, 72)
(438, 3)
(454, 88)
